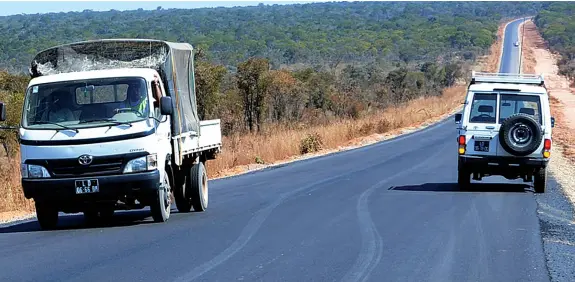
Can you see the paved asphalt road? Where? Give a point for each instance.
(386, 212)
(511, 54)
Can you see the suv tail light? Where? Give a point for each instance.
(547, 148)
(461, 140)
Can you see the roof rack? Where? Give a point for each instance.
(518, 78)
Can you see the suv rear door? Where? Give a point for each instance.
(482, 127)
(513, 103)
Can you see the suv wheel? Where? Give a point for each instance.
(463, 178)
(540, 181)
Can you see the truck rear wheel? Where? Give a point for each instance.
(182, 192)
(540, 181)
(198, 182)
(162, 203)
(47, 216)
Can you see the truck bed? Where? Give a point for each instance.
(210, 138)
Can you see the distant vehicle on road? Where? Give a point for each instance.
(113, 124)
(516, 43)
(505, 129)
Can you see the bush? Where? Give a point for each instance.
(311, 143)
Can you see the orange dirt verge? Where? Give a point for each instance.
(538, 59)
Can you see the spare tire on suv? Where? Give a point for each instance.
(520, 134)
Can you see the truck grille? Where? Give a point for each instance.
(99, 166)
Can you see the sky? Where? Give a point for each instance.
(34, 7)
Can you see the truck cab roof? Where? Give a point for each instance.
(94, 74)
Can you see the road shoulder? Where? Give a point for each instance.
(555, 207)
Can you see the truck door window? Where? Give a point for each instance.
(483, 108)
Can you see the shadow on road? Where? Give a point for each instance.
(76, 221)
(474, 187)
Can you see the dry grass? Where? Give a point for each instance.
(281, 144)
(10, 188)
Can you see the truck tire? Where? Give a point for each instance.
(540, 181)
(520, 134)
(198, 182)
(162, 202)
(91, 217)
(182, 192)
(47, 216)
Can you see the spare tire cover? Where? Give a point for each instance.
(520, 134)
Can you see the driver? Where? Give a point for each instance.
(136, 99)
(61, 110)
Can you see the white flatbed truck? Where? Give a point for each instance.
(112, 125)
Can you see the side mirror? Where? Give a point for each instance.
(166, 106)
(2, 112)
(458, 118)
(552, 122)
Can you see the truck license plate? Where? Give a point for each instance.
(482, 146)
(87, 186)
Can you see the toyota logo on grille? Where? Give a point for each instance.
(85, 159)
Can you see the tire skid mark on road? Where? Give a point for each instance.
(259, 218)
(372, 243)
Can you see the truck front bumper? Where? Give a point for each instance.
(110, 187)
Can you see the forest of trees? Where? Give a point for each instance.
(556, 22)
(291, 65)
(310, 34)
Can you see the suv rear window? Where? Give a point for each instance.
(483, 108)
(511, 104)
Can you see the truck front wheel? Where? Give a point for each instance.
(162, 202)
(47, 216)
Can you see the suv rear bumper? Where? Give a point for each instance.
(502, 163)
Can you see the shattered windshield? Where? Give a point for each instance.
(85, 103)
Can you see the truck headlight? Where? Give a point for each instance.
(33, 171)
(145, 163)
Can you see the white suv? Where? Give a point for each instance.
(505, 129)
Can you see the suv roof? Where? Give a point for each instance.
(515, 78)
(521, 83)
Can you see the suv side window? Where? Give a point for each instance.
(525, 104)
(483, 108)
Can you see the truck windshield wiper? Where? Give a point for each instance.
(55, 123)
(115, 122)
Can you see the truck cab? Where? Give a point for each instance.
(114, 138)
(505, 129)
